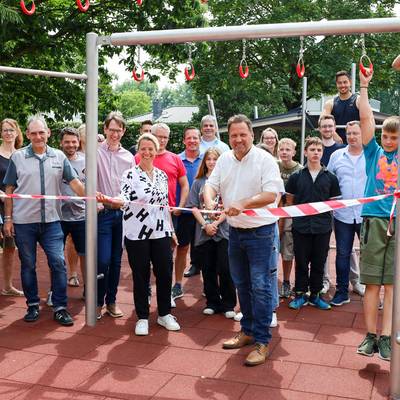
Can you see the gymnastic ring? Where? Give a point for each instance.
(363, 69)
(139, 2)
(25, 10)
(189, 75)
(83, 8)
(300, 68)
(243, 73)
(136, 76)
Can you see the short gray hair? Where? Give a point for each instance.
(160, 125)
(208, 117)
(35, 118)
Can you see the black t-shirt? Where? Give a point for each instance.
(305, 190)
(345, 111)
(328, 151)
(3, 169)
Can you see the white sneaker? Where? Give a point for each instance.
(274, 321)
(142, 327)
(238, 317)
(49, 300)
(230, 314)
(359, 288)
(208, 311)
(173, 304)
(325, 287)
(168, 322)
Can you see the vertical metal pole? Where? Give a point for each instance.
(395, 359)
(92, 70)
(255, 112)
(211, 110)
(353, 77)
(303, 119)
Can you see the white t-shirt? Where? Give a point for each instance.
(257, 172)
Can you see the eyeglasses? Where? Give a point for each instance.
(269, 138)
(327, 126)
(8, 130)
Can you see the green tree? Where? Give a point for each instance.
(273, 85)
(54, 39)
(133, 102)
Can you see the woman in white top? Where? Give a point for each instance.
(148, 232)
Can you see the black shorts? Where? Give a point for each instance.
(185, 229)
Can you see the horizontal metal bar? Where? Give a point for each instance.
(39, 72)
(225, 33)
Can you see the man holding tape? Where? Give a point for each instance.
(248, 178)
(39, 169)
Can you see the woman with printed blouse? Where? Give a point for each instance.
(148, 232)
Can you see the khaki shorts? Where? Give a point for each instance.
(377, 252)
(287, 251)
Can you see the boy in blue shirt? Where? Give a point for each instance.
(377, 233)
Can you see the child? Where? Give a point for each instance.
(311, 234)
(287, 166)
(212, 237)
(377, 234)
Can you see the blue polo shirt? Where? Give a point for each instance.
(191, 172)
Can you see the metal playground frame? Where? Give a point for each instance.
(228, 33)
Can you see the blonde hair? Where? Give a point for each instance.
(275, 133)
(19, 138)
(82, 137)
(151, 138)
(287, 141)
(202, 171)
(391, 124)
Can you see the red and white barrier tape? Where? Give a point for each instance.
(298, 210)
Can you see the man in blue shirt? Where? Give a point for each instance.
(348, 164)
(208, 127)
(185, 222)
(377, 231)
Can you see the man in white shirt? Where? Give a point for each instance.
(248, 178)
(208, 128)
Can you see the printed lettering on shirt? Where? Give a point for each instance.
(144, 233)
(142, 215)
(160, 225)
(128, 215)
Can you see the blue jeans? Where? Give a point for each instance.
(109, 253)
(274, 270)
(51, 238)
(344, 234)
(251, 260)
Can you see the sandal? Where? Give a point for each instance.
(73, 281)
(12, 292)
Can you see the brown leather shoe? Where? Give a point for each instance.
(240, 340)
(258, 355)
(114, 311)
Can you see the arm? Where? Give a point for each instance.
(184, 184)
(289, 199)
(367, 121)
(257, 201)
(396, 63)
(77, 187)
(209, 195)
(8, 210)
(328, 106)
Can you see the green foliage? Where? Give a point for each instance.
(133, 102)
(54, 39)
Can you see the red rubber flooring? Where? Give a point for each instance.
(312, 354)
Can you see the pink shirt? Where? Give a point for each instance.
(110, 167)
(173, 166)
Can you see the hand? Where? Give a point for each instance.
(337, 138)
(235, 209)
(8, 229)
(176, 212)
(174, 240)
(365, 80)
(2, 198)
(210, 229)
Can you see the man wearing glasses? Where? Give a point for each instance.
(112, 161)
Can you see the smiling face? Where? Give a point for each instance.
(114, 133)
(389, 140)
(70, 145)
(38, 135)
(343, 85)
(208, 130)
(8, 133)
(147, 150)
(192, 140)
(327, 128)
(353, 136)
(240, 139)
(286, 152)
(210, 161)
(163, 137)
(269, 139)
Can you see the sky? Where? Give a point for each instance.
(123, 74)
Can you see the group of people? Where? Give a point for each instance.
(144, 194)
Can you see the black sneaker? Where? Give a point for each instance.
(63, 318)
(192, 271)
(369, 345)
(32, 314)
(384, 347)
